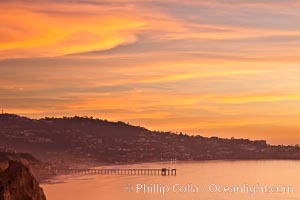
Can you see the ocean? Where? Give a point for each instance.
(207, 180)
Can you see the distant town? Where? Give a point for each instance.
(84, 141)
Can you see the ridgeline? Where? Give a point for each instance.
(86, 141)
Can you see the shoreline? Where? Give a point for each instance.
(54, 180)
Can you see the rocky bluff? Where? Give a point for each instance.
(18, 183)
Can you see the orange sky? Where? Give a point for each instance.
(215, 68)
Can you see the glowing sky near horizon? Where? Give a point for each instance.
(216, 68)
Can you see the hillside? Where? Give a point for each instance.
(86, 141)
(39, 169)
(7, 155)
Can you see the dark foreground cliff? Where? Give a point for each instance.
(18, 183)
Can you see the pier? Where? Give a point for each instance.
(119, 171)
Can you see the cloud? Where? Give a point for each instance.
(53, 34)
(70, 27)
(250, 98)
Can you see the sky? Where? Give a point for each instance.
(227, 68)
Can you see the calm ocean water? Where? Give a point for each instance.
(209, 180)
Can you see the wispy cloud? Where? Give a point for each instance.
(67, 27)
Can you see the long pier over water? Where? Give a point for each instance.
(117, 171)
